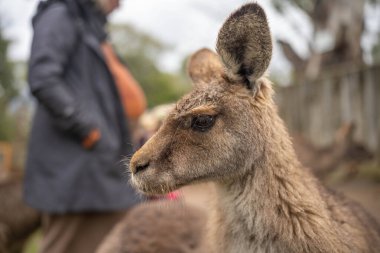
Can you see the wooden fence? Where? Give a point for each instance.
(317, 109)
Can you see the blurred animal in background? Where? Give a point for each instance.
(17, 220)
(344, 152)
(150, 122)
(159, 226)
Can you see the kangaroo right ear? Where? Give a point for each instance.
(245, 45)
(204, 67)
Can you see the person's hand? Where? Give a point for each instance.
(92, 138)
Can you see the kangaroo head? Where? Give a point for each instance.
(219, 130)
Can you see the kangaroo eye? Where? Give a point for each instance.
(202, 123)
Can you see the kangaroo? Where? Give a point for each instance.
(227, 130)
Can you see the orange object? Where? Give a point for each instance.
(92, 138)
(130, 92)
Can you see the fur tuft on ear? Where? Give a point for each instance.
(204, 66)
(245, 45)
(264, 90)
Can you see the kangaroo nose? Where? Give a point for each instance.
(136, 168)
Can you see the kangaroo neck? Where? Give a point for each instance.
(276, 205)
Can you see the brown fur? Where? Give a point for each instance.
(158, 226)
(266, 201)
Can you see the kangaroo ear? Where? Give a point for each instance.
(204, 67)
(245, 45)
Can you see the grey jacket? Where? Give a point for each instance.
(76, 93)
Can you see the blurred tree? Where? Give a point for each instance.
(7, 125)
(7, 90)
(376, 53)
(376, 50)
(141, 52)
(336, 31)
(341, 21)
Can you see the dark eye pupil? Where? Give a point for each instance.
(202, 123)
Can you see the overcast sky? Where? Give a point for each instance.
(186, 25)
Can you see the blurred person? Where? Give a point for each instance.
(80, 133)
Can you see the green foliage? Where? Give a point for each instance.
(33, 243)
(140, 51)
(374, 1)
(7, 91)
(305, 5)
(7, 125)
(376, 51)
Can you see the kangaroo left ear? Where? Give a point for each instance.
(245, 45)
(204, 67)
